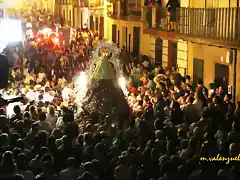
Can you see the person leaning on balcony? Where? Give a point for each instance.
(172, 6)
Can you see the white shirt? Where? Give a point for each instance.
(65, 93)
(198, 105)
(10, 107)
(31, 95)
(37, 96)
(47, 97)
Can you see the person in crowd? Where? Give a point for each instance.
(172, 6)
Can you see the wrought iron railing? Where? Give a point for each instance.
(131, 9)
(211, 23)
(156, 17)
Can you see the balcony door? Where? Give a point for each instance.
(91, 23)
(198, 70)
(158, 51)
(222, 75)
(124, 7)
(114, 33)
(149, 17)
(136, 41)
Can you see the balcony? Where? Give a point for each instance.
(157, 22)
(216, 24)
(204, 25)
(130, 10)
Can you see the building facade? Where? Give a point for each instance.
(204, 43)
(65, 9)
(97, 16)
(43, 4)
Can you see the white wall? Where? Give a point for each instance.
(182, 49)
(85, 16)
(165, 53)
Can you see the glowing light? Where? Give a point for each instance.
(81, 86)
(39, 40)
(123, 84)
(29, 25)
(10, 30)
(82, 81)
(47, 31)
(12, 3)
(3, 46)
(56, 40)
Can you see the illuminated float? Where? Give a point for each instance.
(103, 85)
(47, 39)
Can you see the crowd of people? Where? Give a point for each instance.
(171, 126)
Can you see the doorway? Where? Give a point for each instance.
(222, 75)
(149, 17)
(136, 41)
(91, 23)
(118, 39)
(101, 31)
(172, 54)
(96, 22)
(129, 43)
(198, 70)
(124, 36)
(81, 19)
(158, 51)
(73, 16)
(114, 33)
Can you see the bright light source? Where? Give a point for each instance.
(47, 31)
(123, 84)
(56, 40)
(82, 81)
(29, 25)
(81, 86)
(3, 46)
(10, 30)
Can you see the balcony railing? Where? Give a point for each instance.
(210, 23)
(213, 23)
(134, 8)
(112, 10)
(156, 17)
